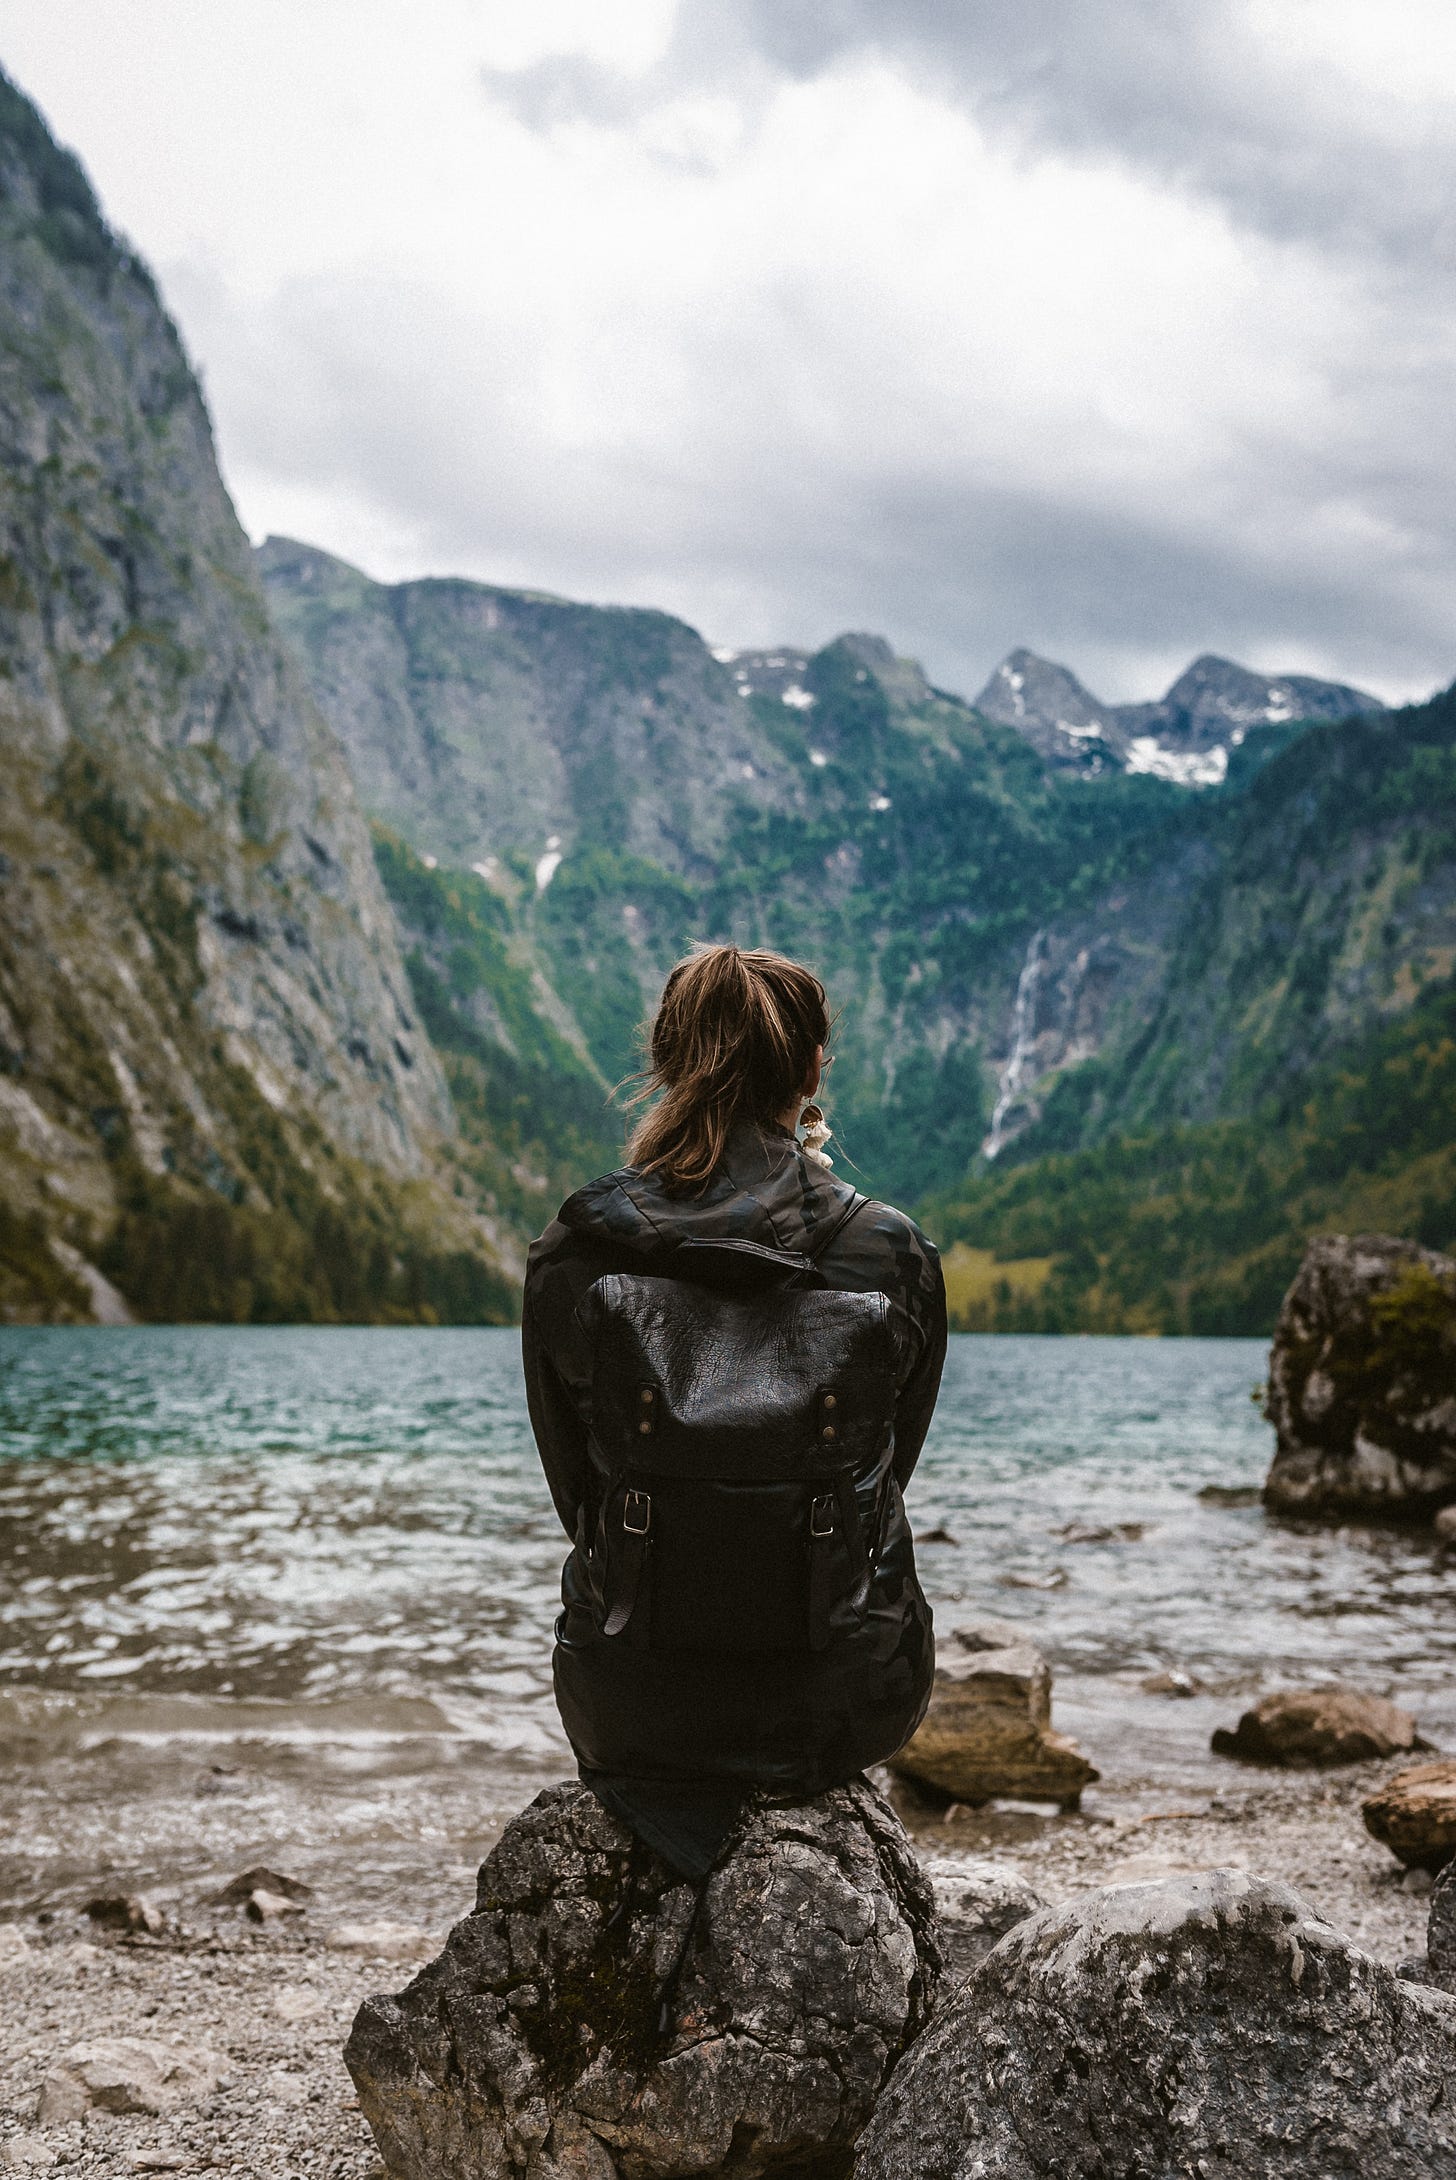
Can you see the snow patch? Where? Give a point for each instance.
(723, 654)
(797, 699)
(818, 757)
(489, 869)
(431, 862)
(1186, 768)
(879, 802)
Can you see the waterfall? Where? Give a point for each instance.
(1018, 1071)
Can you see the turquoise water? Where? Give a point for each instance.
(322, 1539)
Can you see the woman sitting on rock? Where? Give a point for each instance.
(732, 1359)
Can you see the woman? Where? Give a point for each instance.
(731, 1362)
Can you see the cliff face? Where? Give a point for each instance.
(480, 720)
(202, 1000)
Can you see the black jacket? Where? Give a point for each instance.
(798, 1724)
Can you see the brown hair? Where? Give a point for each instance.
(733, 1039)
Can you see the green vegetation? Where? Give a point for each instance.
(533, 1109)
(292, 1232)
(180, 1256)
(35, 1287)
(1201, 1228)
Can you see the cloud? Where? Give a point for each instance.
(1114, 329)
(1287, 112)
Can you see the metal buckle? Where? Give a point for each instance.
(637, 1502)
(822, 1509)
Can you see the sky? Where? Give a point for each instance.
(1122, 329)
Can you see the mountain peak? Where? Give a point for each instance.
(1185, 735)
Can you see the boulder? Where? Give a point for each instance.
(381, 1941)
(1362, 1381)
(1441, 1930)
(15, 1951)
(598, 2016)
(978, 1902)
(263, 1906)
(1211, 2025)
(26, 2153)
(988, 1728)
(1414, 1814)
(125, 2074)
(240, 1890)
(135, 1912)
(1319, 1726)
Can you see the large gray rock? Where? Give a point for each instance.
(1441, 1930)
(1362, 1381)
(598, 2017)
(1211, 2025)
(125, 2074)
(988, 1729)
(978, 1902)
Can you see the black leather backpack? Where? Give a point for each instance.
(741, 1435)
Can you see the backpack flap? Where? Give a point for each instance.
(733, 1427)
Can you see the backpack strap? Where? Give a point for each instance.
(835, 1512)
(630, 1560)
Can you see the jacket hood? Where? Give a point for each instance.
(767, 1191)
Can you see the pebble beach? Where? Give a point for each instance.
(271, 2005)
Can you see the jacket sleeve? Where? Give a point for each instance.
(916, 1403)
(560, 1431)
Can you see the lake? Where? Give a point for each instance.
(297, 1584)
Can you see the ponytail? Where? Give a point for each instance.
(734, 1039)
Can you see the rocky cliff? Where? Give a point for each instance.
(210, 1051)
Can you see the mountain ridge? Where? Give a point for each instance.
(1187, 735)
(211, 1056)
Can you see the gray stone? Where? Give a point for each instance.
(135, 1912)
(988, 1729)
(1210, 2026)
(125, 2074)
(978, 1902)
(263, 1906)
(1362, 1381)
(15, 1949)
(1441, 1930)
(26, 2153)
(381, 1941)
(597, 2016)
(1319, 1726)
(240, 1889)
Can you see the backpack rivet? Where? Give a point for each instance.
(645, 1428)
(830, 1401)
(828, 1431)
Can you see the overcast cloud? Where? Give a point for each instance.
(1120, 328)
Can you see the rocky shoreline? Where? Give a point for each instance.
(274, 2002)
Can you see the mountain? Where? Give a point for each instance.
(1036, 964)
(1290, 1067)
(834, 802)
(329, 909)
(1186, 735)
(480, 720)
(216, 1094)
